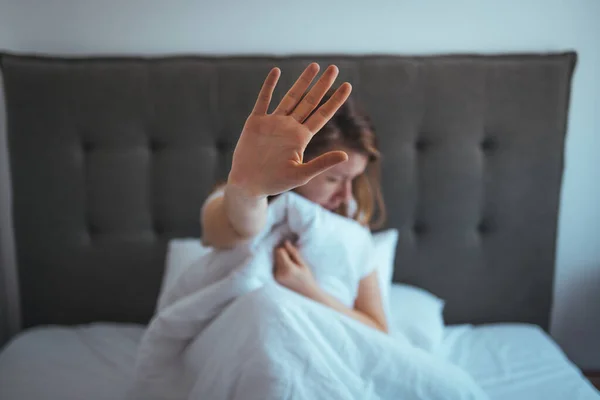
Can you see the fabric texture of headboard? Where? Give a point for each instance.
(112, 157)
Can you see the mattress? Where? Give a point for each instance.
(95, 362)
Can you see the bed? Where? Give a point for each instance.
(110, 159)
(71, 363)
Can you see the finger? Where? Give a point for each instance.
(293, 96)
(266, 92)
(324, 113)
(314, 96)
(293, 253)
(320, 164)
(285, 257)
(283, 263)
(278, 259)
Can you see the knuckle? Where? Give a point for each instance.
(311, 99)
(301, 117)
(323, 112)
(305, 79)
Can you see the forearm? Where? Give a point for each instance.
(233, 218)
(320, 296)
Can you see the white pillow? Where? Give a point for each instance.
(384, 253)
(181, 253)
(418, 315)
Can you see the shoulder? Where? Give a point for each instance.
(219, 191)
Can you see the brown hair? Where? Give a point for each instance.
(351, 128)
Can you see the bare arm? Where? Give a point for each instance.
(368, 307)
(232, 218)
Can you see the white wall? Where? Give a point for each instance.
(401, 26)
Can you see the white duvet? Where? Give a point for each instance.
(224, 329)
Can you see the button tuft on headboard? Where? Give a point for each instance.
(92, 229)
(223, 145)
(485, 227)
(489, 144)
(158, 228)
(420, 228)
(422, 144)
(87, 146)
(157, 145)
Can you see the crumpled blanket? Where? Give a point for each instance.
(225, 329)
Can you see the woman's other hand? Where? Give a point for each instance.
(268, 158)
(292, 272)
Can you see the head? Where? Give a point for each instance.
(358, 178)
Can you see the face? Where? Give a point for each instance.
(333, 187)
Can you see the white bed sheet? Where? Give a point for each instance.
(516, 362)
(92, 362)
(95, 362)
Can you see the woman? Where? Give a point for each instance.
(282, 151)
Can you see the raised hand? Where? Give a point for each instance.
(268, 158)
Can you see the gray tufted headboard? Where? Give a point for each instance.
(111, 157)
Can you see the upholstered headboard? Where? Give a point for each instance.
(111, 157)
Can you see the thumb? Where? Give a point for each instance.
(321, 164)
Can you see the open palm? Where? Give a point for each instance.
(268, 158)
